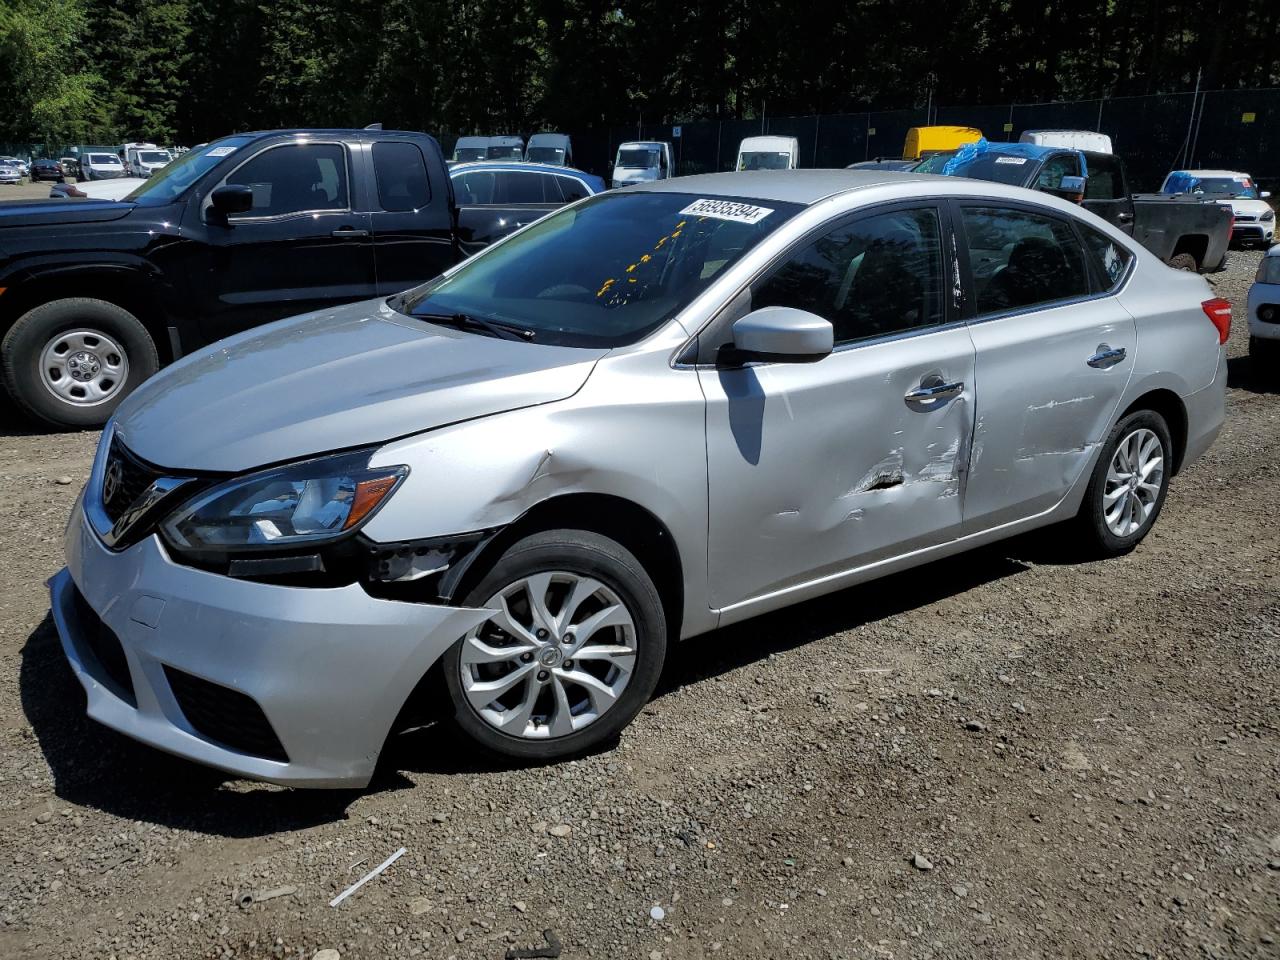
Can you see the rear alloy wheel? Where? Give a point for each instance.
(1128, 486)
(70, 362)
(572, 652)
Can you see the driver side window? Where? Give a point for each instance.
(876, 276)
(295, 178)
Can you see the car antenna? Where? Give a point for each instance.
(374, 126)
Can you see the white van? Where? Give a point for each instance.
(642, 161)
(768, 153)
(1069, 140)
(144, 159)
(100, 166)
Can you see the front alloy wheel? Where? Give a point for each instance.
(572, 651)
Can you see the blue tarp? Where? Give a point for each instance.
(971, 151)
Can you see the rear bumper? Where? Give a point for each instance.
(328, 668)
(1206, 412)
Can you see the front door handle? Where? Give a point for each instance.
(935, 392)
(349, 233)
(1106, 357)
(1125, 217)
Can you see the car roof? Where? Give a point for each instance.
(524, 165)
(795, 186)
(1214, 173)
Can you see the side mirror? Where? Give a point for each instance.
(780, 335)
(232, 198)
(1265, 195)
(1072, 185)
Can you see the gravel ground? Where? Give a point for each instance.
(1000, 755)
(28, 190)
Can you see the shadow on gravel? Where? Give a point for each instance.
(1244, 373)
(95, 767)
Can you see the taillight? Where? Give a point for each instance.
(1219, 313)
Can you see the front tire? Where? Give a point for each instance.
(69, 363)
(1184, 261)
(572, 656)
(1127, 490)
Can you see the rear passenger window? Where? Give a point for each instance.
(1021, 259)
(402, 176)
(875, 276)
(1109, 255)
(572, 189)
(522, 187)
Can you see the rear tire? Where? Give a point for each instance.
(69, 363)
(573, 690)
(1117, 513)
(1184, 261)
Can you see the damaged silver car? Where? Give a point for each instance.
(653, 413)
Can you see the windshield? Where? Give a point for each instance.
(603, 273)
(546, 155)
(463, 154)
(104, 159)
(506, 153)
(1239, 187)
(168, 183)
(641, 158)
(1002, 168)
(765, 160)
(153, 156)
(1268, 270)
(933, 163)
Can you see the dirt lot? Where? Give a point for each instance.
(27, 190)
(1085, 758)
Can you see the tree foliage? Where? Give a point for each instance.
(188, 70)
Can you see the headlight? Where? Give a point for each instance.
(289, 506)
(1268, 216)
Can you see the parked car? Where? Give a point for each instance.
(1087, 140)
(100, 166)
(10, 172)
(506, 493)
(23, 167)
(553, 148)
(1255, 219)
(642, 161)
(237, 233)
(1264, 311)
(46, 169)
(496, 198)
(505, 148)
(925, 141)
(470, 148)
(144, 159)
(1186, 233)
(883, 163)
(116, 189)
(768, 153)
(70, 167)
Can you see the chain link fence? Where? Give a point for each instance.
(1232, 129)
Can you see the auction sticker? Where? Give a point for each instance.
(1018, 160)
(221, 152)
(726, 210)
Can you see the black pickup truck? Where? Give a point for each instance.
(96, 294)
(1188, 234)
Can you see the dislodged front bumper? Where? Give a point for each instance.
(292, 685)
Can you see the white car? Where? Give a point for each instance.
(1264, 307)
(10, 172)
(116, 189)
(24, 168)
(1255, 219)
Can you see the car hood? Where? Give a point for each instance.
(32, 213)
(635, 174)
(1245, 206)
(348, 377)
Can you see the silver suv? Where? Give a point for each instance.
(653, 413)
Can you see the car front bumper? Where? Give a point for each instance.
(1260, 295)
(1253, 232)
(329, 668)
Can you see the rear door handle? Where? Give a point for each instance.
(935, 392)
(349, 233)
(1106, 357)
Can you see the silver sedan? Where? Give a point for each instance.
(655, 412)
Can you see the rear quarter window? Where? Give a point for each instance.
(1110, 257)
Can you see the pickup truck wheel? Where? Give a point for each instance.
(1184, 261)
(572, 652)
(70, 362)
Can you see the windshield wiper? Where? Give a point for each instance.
(465, 321)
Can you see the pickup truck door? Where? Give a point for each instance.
(1105, 191)
(301, 247)
(411, 215)
(494, 203)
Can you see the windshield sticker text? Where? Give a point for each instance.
(221, 152)
(726, 210)
(1018, 160)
